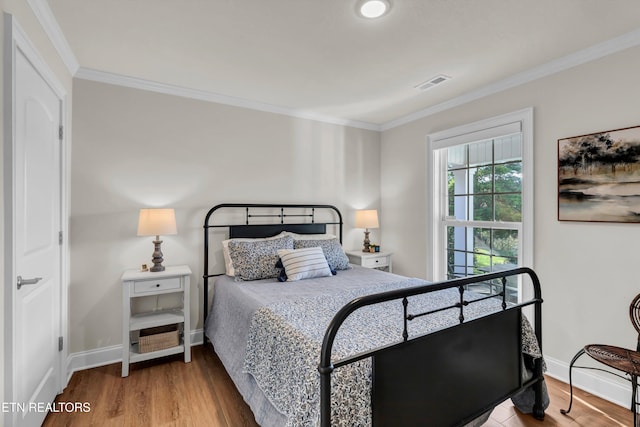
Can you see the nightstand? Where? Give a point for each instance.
(377, 260)
(138, 284)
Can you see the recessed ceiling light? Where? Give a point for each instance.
(373, 8)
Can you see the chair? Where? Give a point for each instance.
(621, 359)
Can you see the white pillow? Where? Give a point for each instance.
(228, 263)
(304, 263)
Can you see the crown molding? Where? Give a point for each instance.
(580, 57)
(48, 22)
(51, 27)
(168, 89)
(44, 15)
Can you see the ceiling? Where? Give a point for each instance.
(319, 58)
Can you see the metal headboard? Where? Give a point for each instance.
(306, 223)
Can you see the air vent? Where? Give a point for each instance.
(432, 82)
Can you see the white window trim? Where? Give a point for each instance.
(518, 121)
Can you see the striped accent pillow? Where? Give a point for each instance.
(304, 263)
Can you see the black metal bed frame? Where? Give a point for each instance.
(479, 360)
(451, 376)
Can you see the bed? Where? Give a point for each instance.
(357, 346)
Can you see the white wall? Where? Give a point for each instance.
(587, 270)
(134, 149)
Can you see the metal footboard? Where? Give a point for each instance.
(449, 377)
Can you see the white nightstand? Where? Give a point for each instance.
(378, 260)
(138, 284)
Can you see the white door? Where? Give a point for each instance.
(37, 224)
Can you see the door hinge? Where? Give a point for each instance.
(60, 343)
(60, 132)
(59, 237)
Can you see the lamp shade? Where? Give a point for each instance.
(367, 219)
(156, 222)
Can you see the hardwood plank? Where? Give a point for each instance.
(588, 410)
(169, 392)
(235, 410)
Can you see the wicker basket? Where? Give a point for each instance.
(159, 338)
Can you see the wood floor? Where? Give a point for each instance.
(168, 392)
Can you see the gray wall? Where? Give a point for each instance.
(135, 149)
(587, 270)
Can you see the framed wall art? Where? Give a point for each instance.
(599, 176)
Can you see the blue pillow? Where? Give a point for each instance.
(332, 249)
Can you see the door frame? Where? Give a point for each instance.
(16, 39)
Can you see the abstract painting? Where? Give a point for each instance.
(599, 176)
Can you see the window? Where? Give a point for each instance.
(482, 192)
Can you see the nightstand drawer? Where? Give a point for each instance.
(375, 261)
(146, 286)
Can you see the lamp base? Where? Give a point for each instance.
(367, 242)
(157, 268)
(157, 257)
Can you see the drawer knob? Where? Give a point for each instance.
(157, 285)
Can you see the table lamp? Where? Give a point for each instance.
(157, 222)
(367, 219)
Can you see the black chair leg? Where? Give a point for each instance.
(573, 361)
(634, 404)
(634, 386)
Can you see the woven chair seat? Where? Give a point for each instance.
(619, 358)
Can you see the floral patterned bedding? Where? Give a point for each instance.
(284, 339)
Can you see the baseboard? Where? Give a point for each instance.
(606, 388)
(108, 355)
